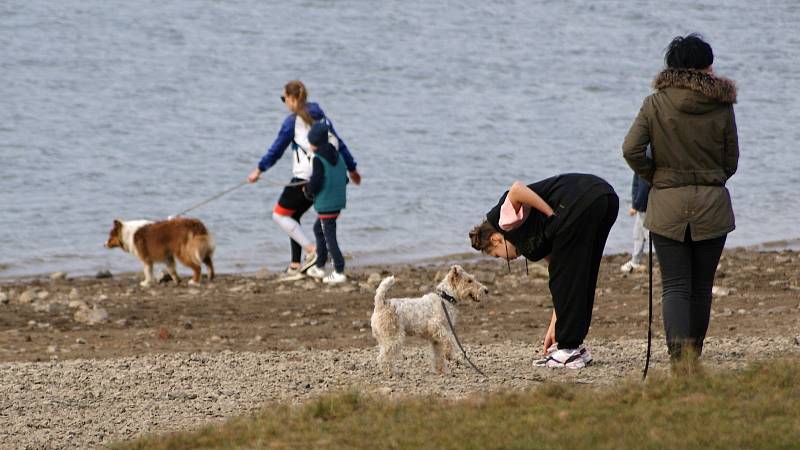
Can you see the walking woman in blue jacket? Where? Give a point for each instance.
(292, 204)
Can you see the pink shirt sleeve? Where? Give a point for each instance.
(510, 218)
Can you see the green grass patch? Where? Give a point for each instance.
(755, 408)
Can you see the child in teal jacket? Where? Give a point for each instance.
(328, 188)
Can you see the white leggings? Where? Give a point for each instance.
(292, 228)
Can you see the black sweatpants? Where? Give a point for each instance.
(687, 276)
(574, 265)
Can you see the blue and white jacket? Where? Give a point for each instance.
(294, 133)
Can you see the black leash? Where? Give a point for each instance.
(650, 306)
(453, 330)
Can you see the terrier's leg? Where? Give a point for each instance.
(438, 357)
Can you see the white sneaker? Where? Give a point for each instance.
(311, 259)
(585, 355)
(315, 272)
(292, 274)
(334, 278)
(565, 358)
(629, 267)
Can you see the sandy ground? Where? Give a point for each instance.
(87, 361)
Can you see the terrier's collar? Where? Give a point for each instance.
(445, 296)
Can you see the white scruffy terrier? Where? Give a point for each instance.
(394, 319)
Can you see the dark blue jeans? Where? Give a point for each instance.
(325, 232)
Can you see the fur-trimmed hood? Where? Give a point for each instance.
(712, 89)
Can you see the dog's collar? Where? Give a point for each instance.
(445, 296)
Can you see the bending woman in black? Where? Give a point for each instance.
(565, 219)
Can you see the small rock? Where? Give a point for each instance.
(91, 316)
(329, 311)
(348, 288)
(374, 279)
(121, 322)
(286, 313)
(164, 334)
(778, 283)
(3, 298)
(215, 338)
(77, 304)
(104, 274)
(41, 307)
(42, 295)
(52, 348)
(80, 340)
(187, 325)
(742, 311)
(27, 296)
(258, 338)
(797, 340)
(58, 275)
(720, 291)
(73, 294)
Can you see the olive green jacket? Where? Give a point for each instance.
(691, 129)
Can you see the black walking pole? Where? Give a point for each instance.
(650, 306)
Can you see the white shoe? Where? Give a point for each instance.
(315, 272)
(629, 267)
(335, 278)
(565, 358)
(585, 355)
(292, 274)
(311, 259)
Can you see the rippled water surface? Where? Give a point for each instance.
(141, 109)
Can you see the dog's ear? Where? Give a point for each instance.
(117, 224)
(456, 271)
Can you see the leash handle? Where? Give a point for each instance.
(650, 305)
(453, 330)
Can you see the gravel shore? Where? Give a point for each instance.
(89, 403)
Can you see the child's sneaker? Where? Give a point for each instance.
(565, 358)
(629, 267)
(311, 259)
(335, 277)
(292, 274)
(315, 272)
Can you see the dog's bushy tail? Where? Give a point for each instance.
(203, 248)
(380, 293)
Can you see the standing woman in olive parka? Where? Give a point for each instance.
(690, 125)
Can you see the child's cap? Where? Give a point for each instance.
(318, 134)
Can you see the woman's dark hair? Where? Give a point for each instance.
(689, 52)
(480, 236)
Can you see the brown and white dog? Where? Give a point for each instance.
(183, 238)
